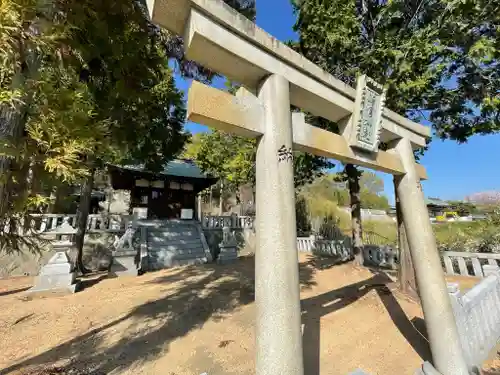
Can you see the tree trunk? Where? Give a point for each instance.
(11, 129)
(81, 219)
(12, 122)
(355, 200)
(60, 191)
(221, 201)
(406, 272)
(210, 199)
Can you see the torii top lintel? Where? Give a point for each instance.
(214, 34)
(224, 41)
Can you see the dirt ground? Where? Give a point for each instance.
(190, 320)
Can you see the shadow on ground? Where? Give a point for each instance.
(205, 293)
(315, 307)
(14, 291)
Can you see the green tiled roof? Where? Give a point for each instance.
(177, 167)
(435, 202)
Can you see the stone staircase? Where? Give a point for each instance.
(171, 243)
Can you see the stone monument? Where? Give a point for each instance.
(125, 255)
(228, 247)
(56, 276)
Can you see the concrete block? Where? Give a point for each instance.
(125, 264)
(227, 255)
(57, 268)
(57, 281)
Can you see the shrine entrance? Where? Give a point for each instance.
(273, 78)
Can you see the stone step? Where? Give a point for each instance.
(170, 236)
(177, 263)
(155, 252)
(168, 257)
(175, 247)
(174, 234)
(171, 225)
(158, 241)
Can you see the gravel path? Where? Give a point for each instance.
(191, 320)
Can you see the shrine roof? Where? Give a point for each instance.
(177, 167)
(436, 202)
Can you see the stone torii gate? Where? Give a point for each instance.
(275, 77)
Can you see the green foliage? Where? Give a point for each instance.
(82, 84)
(380, 232)
(232, 159)
(228, 157)
(374, 201)
(463, 208)
(477, 236)
(302, 216)
(414, 49)
(472, 104)
(102, 91)
(330, 189)
(372, 183)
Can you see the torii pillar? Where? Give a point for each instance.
(277, 294)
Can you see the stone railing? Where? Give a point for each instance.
(374, 255)
(51, 223)
(373, 238)
(233, 222)
(468, 264)
(477, 314)
(338, 248)
(380, 256)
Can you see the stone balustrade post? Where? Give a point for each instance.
(489, 269)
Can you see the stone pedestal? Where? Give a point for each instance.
(56, 276)
(228, 254)
(228, 247)
(124, 263)
(125, 256)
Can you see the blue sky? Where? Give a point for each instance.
(454, 170)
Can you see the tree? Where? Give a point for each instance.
(231, 159)
(101, 91)
(468, 103)
(463, 208)
(39, 96)
(353, 175)
(83, 84)
(396, 42)
(372, 183)
(122, 60)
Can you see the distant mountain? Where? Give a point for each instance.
(486, 197)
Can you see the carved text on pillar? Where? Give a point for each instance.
(285, 154)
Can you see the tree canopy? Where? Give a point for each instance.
(83, 83)
(331, 189)
(232, 159)
(437, 58)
